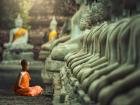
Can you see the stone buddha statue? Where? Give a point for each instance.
(79, 27)
(64, 35)
(18, 46)
(18, 36)
(52, 35)
(53, 28)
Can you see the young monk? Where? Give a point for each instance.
(22, 83)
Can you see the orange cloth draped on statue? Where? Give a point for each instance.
(52, 35)
(22, 86)
(21, 32)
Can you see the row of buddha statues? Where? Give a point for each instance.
(105, 69)
(101, 55)
(97, 56)
(80, 23)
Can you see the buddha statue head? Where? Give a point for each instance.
(53, 24)
(18, 21)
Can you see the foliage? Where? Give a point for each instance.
(10, 9)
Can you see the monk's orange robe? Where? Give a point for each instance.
(22, 86)
(52, 35)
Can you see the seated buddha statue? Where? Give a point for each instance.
(52, 35)
(18, 37)
(73, 43)
(53, 28)
(64, 36)
(81, 23)
(18, 46)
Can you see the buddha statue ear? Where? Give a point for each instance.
(18, 21)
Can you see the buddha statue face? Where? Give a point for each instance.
(18, 21)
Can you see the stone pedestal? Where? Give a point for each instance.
(17, 55)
